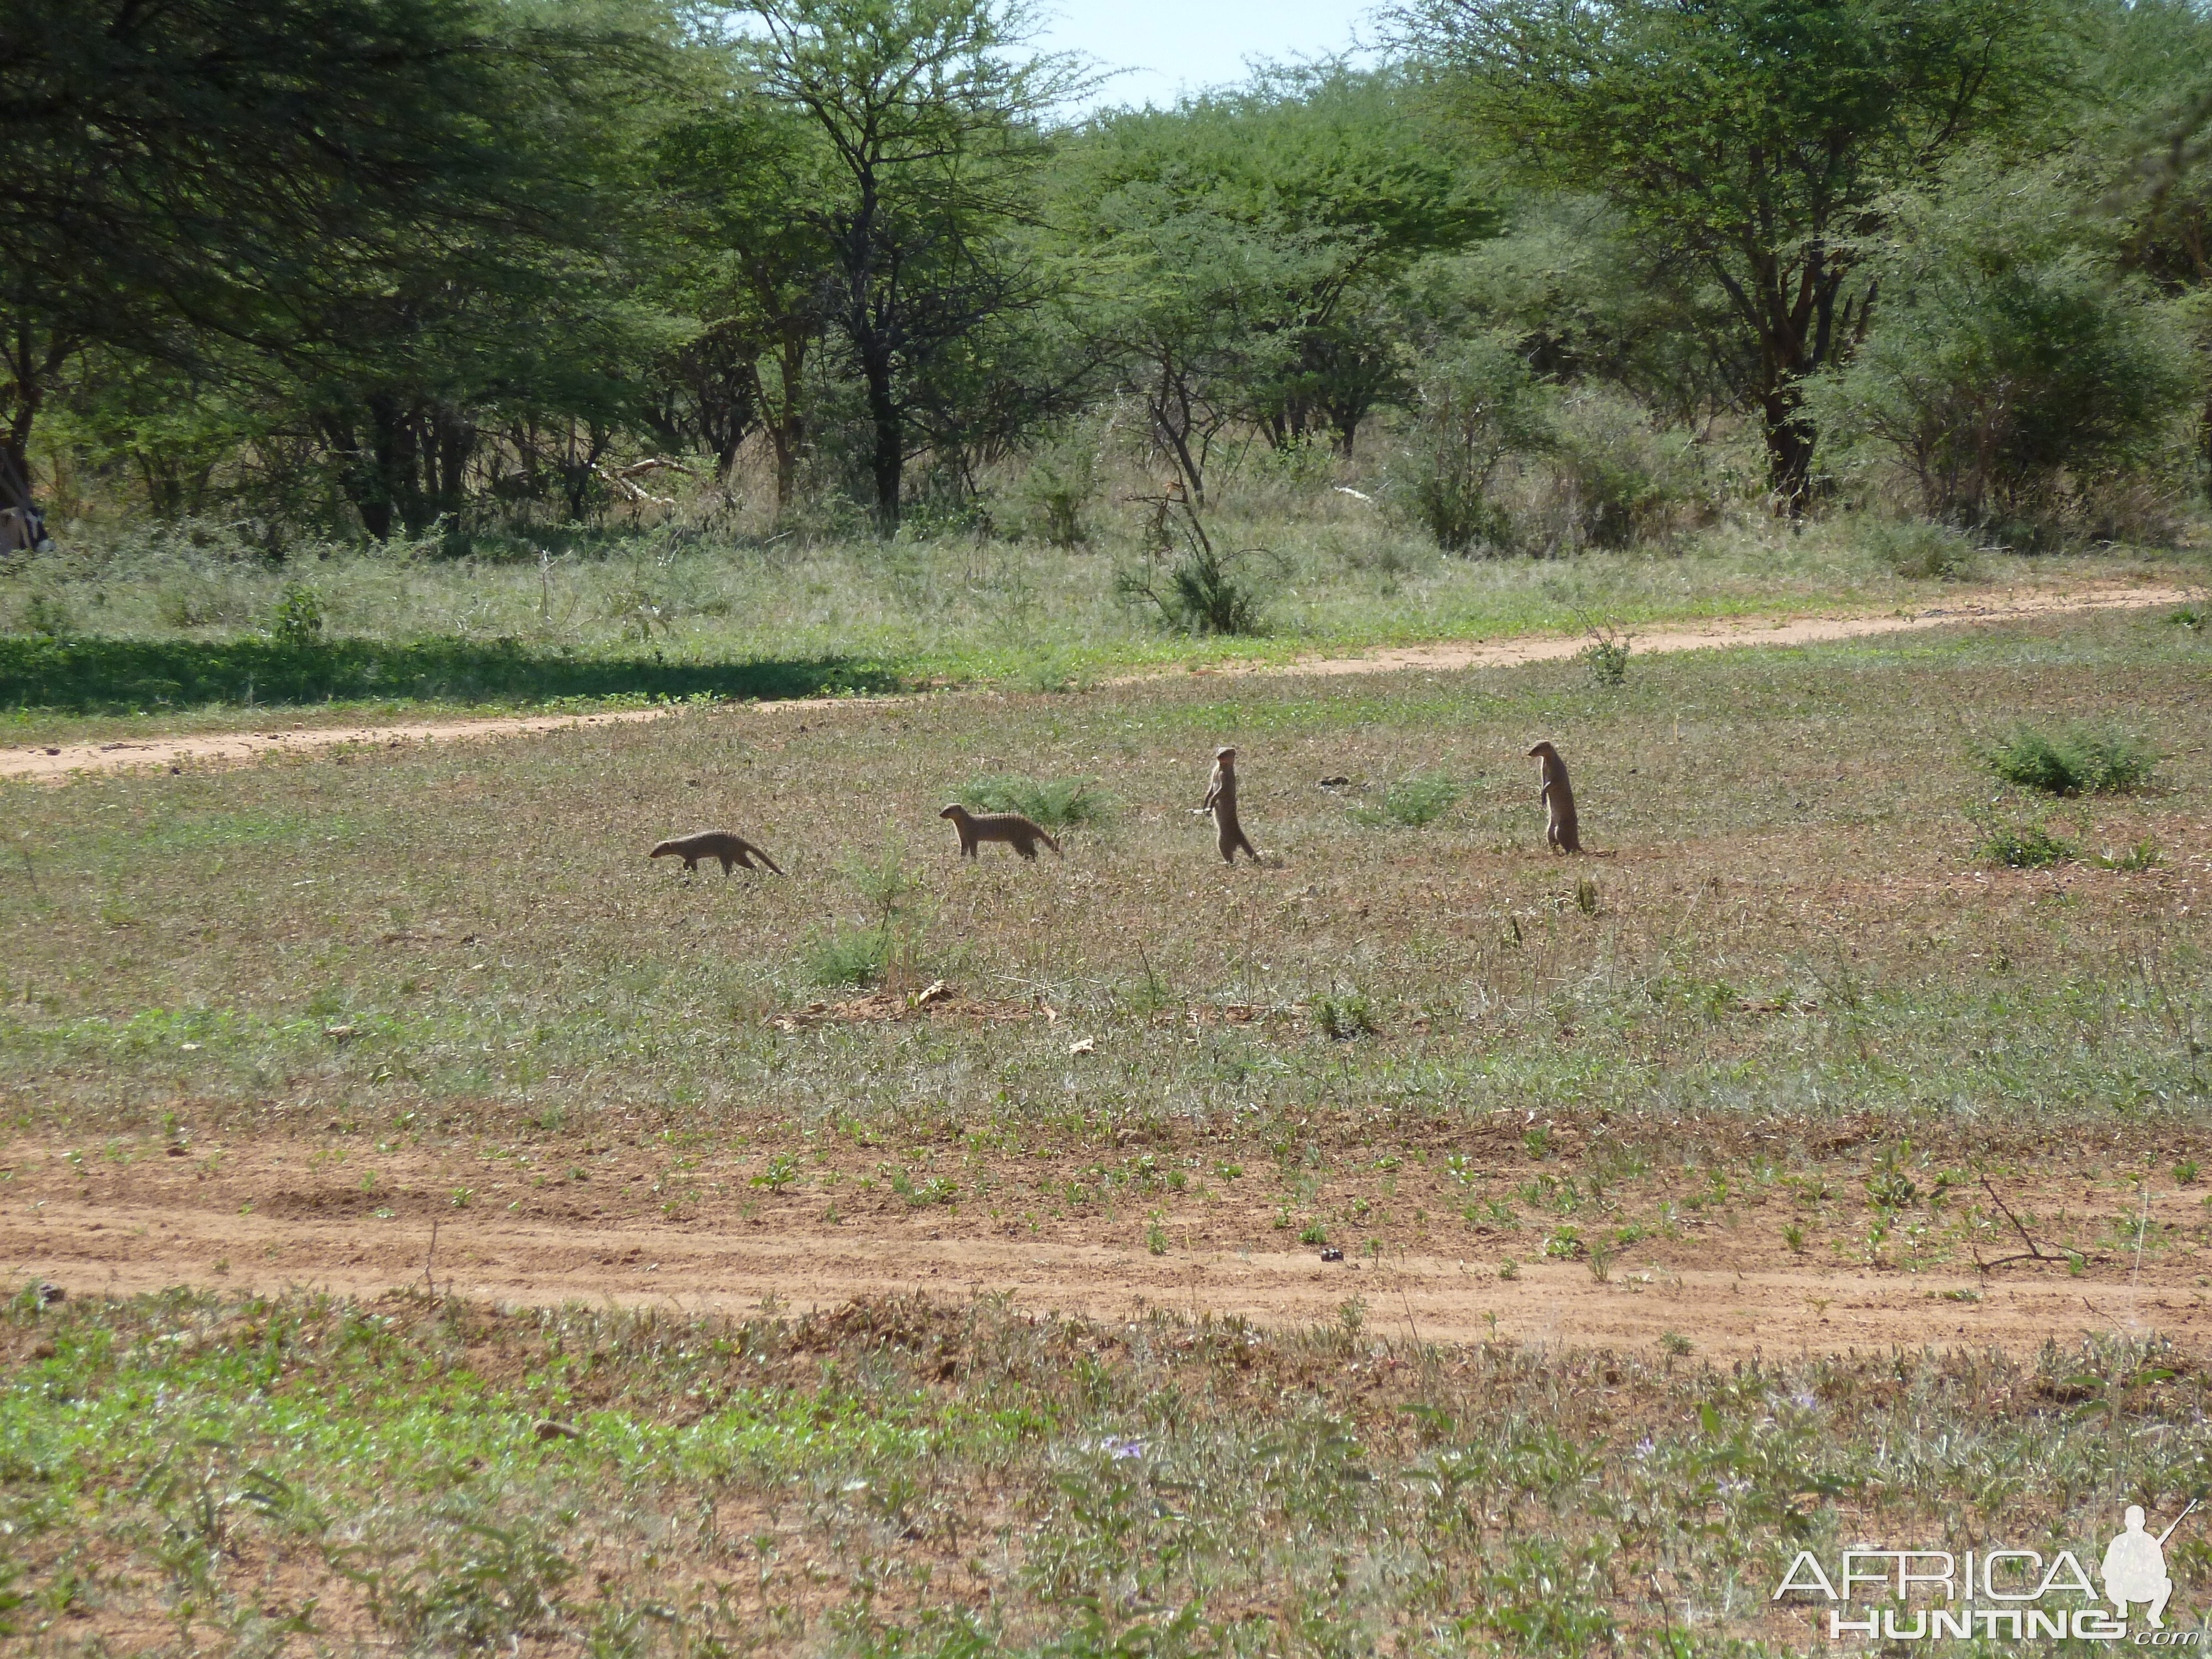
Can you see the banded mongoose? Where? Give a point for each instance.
(1560, 830)
(1012, 827)
(714, 844)
(1221, 801)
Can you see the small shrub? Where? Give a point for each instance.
(1312, 1233)
(47, 615)
(1509, 1268)
(2191, 617)
(1342, 1019)
(782, 1169)
(1607, 661)
(297, 618)
(1205, 594)
(1474, 410)
(2081, 760)
(1156, 1235)
(859, 957)
(2023, 847)
(1617, 476)
(1411, 803)
(1056, 803)
(1920, 551)
(1674, 1344)
(1586, 896)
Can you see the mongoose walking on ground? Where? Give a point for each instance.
(1221, 801)
(1561, 830)
(714, 844)
(1012, 827)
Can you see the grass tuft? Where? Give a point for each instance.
(2079, 760)
(1056, 803)
(1411, 803)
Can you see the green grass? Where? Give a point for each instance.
(240, 1474)
(187, 628)
(1411, 803)
(1055, 803)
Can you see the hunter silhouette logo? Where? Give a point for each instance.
(2135, 1566)
(1988, 1593)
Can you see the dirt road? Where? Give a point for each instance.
(273, 1216)
(57, 763)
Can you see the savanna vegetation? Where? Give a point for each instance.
(393, 353)
(838, 344)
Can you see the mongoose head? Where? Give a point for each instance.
(1225, 755)
(1542, 749)
(955, 810)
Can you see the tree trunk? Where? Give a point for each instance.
(888, 462)
(787, 431)
(1789, 441)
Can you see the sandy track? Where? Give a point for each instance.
(271, 1217)
(57, 763)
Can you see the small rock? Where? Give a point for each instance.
(547, 1428)
(1335, 783)
(1330, 1253)
(53, 751)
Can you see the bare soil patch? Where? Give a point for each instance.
(270, 1218)
(57, 763)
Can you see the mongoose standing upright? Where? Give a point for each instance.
(714, 844)
(1561, 830)
(1012, 827)
(1221, 801)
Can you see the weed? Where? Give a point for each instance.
(782, 1169)
(1056, 803)
(1793, 1235)
(1509, 1267)
(2186, 1172)
(2078, 760)
(1586, 896)
(2021, 846)
(296, 619)
(1340, 1018)
(1312, 1233)
(857, 957)
(2143, 855)
(1411, 803)
(1674, 1344)
(1156, 1234)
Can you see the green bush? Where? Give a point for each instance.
(1475, 410)
(1340, 1018)
(2079, 760)
(1411, 803)
(2006, 369)
(1618, 478)
(1056, 803)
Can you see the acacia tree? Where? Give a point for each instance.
(1757, 137)
(247, 170)
(1282, 211)
(932, 133)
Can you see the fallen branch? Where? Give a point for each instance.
(2035, 1252)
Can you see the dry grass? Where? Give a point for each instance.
(1786, 830)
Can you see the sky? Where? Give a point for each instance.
(1172, 47)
